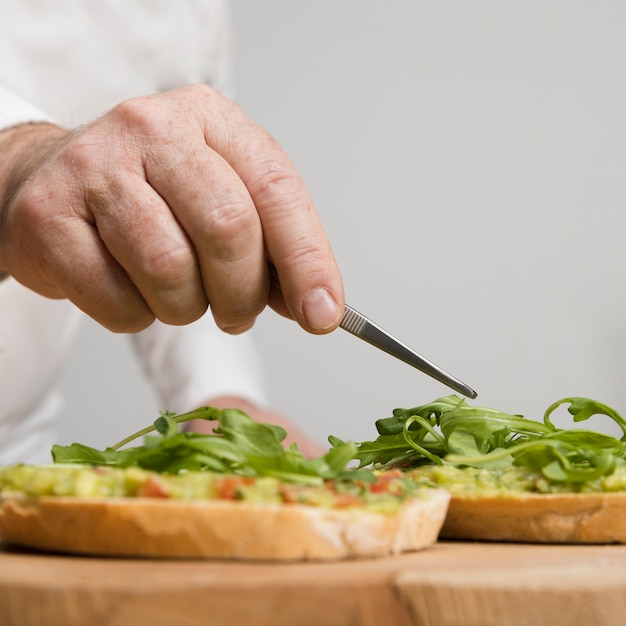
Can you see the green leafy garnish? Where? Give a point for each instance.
(449, 431)
(238, 445)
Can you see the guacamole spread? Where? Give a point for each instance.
(469, 481)
(384, 493)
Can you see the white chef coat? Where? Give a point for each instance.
(69, 61)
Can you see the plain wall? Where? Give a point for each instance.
(468, 163)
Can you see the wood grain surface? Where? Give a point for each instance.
(449, 584)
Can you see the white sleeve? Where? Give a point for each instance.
(189, 365)
(14, 110)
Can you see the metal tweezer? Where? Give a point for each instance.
(365, 329)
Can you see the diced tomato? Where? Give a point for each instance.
(228, 489)
(288, 494)
(344, 500)
(152, 488)
(384, 481)
(380, 486)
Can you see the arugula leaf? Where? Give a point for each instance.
(166, 425)
(78, 453)
(584, 408)
(449, 431)
(251, 438)
(238, 445)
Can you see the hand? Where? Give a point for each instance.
(163, 206)
(306, 445)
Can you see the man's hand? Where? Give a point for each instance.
(163, 206)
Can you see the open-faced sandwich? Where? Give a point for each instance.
(511, 478)
(235, 494)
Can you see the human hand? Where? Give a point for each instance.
(309, 447)
(163, 206)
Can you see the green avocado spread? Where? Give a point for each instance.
(384, 494)
(512, 480)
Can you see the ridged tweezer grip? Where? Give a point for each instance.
(353, 321)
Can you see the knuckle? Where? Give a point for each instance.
(83, 152)
(118, 308)
(186, 314)
(236, 322)
(227, 220)
(276, 183)
(154, 116)
(123, 321)
(306, 251)
(87, 158)
(235, 329)
(35, 218)
(239, 312)
(201, 97)
(181, 313)
(133, 109)
(168, 266)
(33, 201)
(141, 115)
(199, 91)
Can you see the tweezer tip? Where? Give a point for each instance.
(465, 390)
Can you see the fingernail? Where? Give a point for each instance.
(319, 308)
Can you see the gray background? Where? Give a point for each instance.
(468, 162)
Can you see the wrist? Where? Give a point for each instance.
(22, 147)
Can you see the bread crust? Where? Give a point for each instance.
(151, 527)
(538, 518)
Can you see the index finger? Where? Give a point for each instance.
(295, 240)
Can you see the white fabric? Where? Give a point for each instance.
(75, 59)
(15, 110)
(207, 363)
(70, 61)
(35, 335)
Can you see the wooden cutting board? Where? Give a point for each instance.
(450, 584)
